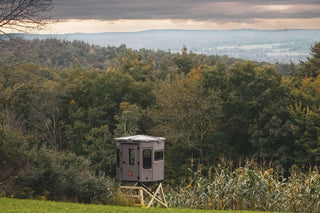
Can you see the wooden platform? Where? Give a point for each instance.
(142, 190)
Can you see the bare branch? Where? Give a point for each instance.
(23, 14)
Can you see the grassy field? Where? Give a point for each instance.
(33, 206)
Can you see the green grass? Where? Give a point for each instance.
(33, 206)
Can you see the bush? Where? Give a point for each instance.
(64, 176)
(42, 173)
(13, 158)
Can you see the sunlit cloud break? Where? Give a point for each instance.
(98, 26)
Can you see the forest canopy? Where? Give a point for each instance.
(62, 103)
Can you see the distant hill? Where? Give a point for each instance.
(271, 46)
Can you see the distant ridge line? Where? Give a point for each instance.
(165, 30)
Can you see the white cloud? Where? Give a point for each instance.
(288, 8)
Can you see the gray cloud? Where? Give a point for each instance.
(218, 10)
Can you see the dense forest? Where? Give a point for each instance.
(62, 103)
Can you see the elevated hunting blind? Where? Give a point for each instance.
(140, 158)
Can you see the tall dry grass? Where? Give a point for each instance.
(248, 187)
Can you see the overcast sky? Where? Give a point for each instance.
(136, 15)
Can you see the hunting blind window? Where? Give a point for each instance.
(147, 159)
(158, 155)
(131, 156)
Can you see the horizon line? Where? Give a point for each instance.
(139, 31)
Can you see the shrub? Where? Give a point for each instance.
(64, 176)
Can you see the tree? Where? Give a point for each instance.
(305, 114)
(310, 68)
(128, 120)
(185, 114)
(99, 149)
(250, 94)
(22, 15)
(184, 61)
(314, 61)
(19, 15)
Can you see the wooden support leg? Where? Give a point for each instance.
(163, 197)
(154, 196)
(141, 196)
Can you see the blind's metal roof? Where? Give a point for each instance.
(140, 138)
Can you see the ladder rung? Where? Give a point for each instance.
(134, 196)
